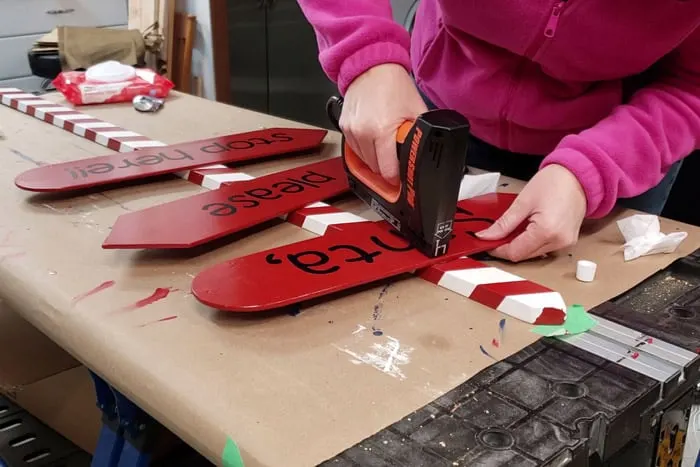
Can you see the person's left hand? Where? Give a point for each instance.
(554, 204)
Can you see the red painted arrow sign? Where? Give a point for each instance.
(149, 162)
(347, 256)
(198, 219)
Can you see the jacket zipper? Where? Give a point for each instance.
(549, 30)
(553, 22)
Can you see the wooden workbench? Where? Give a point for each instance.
(289, 390)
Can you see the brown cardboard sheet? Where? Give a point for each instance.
(26, 354)
(46, 381)
(66, 403)
(289, 390)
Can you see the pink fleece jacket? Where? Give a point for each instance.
(542, 76)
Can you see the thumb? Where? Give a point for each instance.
(507, 223)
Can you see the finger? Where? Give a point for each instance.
(357, 149)
(515, 215)
(368, 153)
(387, 158)
(504, 253)
(528, 244)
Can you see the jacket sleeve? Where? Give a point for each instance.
(629, 151)
(355, 35)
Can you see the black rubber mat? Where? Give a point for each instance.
(27, 442)
(551, 404)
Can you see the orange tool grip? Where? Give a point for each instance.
(372, 180)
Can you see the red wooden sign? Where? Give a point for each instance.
(149, 162)
(198, 219)
(347, 256)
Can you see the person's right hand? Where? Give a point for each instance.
(375, 104)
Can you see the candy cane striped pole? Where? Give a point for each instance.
(500, 290)
(489, 286)
(108, 134)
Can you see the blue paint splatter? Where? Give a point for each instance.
(377, 311)
(483, 351)
(501, 329)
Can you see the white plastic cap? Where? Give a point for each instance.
(585, 270)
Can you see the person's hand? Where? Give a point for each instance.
(375, 104)
(554, 204)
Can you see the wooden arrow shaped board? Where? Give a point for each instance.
(346, 256)
(198, 219)
(150, 162)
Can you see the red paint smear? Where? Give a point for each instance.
(159, 294)
(635, 355)
(495, 343)
(6, 240)
(12, 255)
(551, 316)
(99, 288)
(167, 318)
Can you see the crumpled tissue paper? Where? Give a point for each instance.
(474, 185)
(643, 236)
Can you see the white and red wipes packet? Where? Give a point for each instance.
(110, 82)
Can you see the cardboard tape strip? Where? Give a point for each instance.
(537, 305)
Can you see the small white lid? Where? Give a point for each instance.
(585, 270)
(110, 71)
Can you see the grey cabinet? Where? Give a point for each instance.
(247, 45)
(22, 22)
(273, 59)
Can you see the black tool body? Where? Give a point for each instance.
(432, 154)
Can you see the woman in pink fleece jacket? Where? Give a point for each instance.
(591, 100)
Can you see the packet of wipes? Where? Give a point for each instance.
(110, 82)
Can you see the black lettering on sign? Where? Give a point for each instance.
(380, 243)
(324, 262)
(149, 160)
(272, 260)
(256, 196)
(362, 255)
(128, 163)
(466, 216)
(230, 207)
(137, 160)
(243, 144)
(260, 141)
(182, 156)
(288, 187)
(101, 168)
(317, 259)
(262, 193)
(77, 172)
(282, 137)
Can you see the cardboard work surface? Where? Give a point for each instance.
(288, 390)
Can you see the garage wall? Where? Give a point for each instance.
(202, 55)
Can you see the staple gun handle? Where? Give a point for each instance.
(357, 166)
